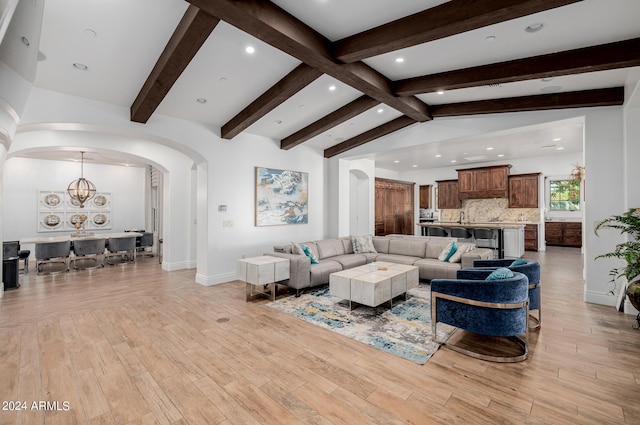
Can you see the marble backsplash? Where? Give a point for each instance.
(490, 210)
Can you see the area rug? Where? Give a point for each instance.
(403, 330)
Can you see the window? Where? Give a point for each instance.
(564, 195)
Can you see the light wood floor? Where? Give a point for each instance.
(137, 345)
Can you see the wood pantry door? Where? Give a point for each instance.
(394, 206)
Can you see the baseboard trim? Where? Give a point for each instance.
(181, 265)
(216, 279)
(598, 298)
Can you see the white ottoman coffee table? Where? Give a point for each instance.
(372, 288)
(262, 271)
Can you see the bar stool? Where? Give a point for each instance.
(461, 233)
(486, 238)
(437, 231)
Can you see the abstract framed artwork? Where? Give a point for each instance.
(281, 197)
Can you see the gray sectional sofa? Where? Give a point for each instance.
(337, 254)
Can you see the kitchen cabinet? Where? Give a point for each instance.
(531, 237)
(425, 196)
(563, 233)
(394, 207)
(513, 242)
(448, 198)
(523, 190)
(483, 182)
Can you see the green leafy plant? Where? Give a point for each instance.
(629, 251)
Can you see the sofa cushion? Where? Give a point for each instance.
(435, 247)
(296, 249)
(448, 251)
(348, 261)
(370, 256)
(462, 249)
(313, 247)
(329, 248)
(431, 268)
(320, 272)
(398, 259)
(407, 247)
(347, 245)
(363, 244)
(500, 274)
(381, 244)
(308, 253)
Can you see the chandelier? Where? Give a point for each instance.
(81, 190)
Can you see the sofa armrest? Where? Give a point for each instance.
(299, 269)
(475, 254)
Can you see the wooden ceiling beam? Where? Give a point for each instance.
(292, 83)
(453, 17)
(621, 54)
(578, 99)
(192, 31)
(273, 25)
(368, 136)
(331, 120)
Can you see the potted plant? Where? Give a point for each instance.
(629, 251)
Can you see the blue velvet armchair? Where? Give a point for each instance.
(532, 270)
(497, 308)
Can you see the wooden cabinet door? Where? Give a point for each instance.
(572, 234)
(523, 191)
(482, 180)
(553, 233)
(394, 206)
(498, 179)
(425, 196)
(465, 180)
(531, 237)
(448, 197)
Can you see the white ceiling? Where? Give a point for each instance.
(120, 41)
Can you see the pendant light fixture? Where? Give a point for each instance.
(81, 189)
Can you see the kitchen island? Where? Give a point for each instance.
(499, 227)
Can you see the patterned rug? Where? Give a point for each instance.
(403, 330)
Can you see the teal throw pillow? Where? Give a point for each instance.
(452, 251)
(499, 274)
(518, 262)
(309, 253)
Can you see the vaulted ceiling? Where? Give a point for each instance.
(337, 74)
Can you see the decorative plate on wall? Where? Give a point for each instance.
(73, 202)
(100, 201)
(100, 220)
(51, 221)
(52, 200)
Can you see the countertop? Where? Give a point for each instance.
(475, 224)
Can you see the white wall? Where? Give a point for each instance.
(24, 178)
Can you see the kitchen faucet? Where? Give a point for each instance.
(461, 217)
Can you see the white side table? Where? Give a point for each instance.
(262, 271)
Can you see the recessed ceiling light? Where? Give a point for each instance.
(438, 156)
(250, 49)
(90, 33)
(399, 60)
(534, 27)
(396, 161)
(500, 155)
(223, 79)
(440, 92)
(332, 88)
(489, 148)
(25, 41)
(547, 79)
(415, 165)
(380, 110)
(201, 100)
(560, 148)
(490, 38)
(80, 66)
(453, 160)
(278, 122)
(557, 139)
